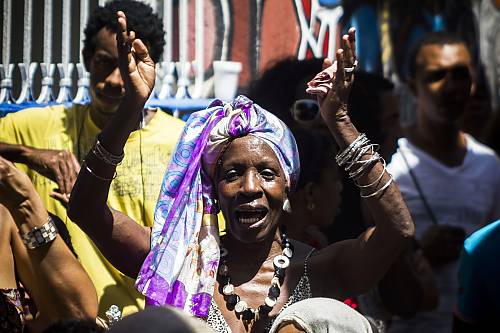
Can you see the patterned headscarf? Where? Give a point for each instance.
(181, 267)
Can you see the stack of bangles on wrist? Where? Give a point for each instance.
(105, 156)
(354, 163)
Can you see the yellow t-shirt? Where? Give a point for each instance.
(134, 191)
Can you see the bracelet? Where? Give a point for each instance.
(357, 157)
(97, 176)
(40, 236)
(386, 185)
(365, 165)
(104, 155)
(343, 156)
(376, 181)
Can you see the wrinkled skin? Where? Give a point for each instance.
(251, 183)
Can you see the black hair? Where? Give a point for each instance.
(365, 104)
(84, 325)
(140, 18)
(433, 38)
(275, 90)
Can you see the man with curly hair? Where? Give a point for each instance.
(51, 142)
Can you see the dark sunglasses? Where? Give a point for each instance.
(305, 110)
(458, 73)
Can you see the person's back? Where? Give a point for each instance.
(450, 182)
(51, 142)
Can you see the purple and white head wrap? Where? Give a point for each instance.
(181, 268)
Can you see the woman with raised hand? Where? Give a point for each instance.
(240, 159)
(41, 281)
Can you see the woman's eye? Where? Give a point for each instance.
(231, 175)
(268, 174)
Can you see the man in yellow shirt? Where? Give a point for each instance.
(51, 142)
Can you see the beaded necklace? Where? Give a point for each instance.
(233, 301)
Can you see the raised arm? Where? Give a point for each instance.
(54, 278)
(122, 241)
(357, 265)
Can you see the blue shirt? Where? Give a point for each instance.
(479, 275)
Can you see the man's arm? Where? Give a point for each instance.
(60, 166)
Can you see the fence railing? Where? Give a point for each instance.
(65, 73)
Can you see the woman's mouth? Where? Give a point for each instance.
(251, 216)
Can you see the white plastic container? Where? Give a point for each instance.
(226, 75)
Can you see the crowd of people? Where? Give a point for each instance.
(301, 208)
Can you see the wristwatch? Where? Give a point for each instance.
(39, 236)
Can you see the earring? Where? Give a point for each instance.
(311, 206)
(287, 207)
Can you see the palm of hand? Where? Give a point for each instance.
(136, 66)
(342, 79)
(141, 76)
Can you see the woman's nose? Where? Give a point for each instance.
(251, 183)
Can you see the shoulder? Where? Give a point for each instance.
(484, 242)
(301, 251)
(404, 153)
(166, 120)
(38, 113)
(33, 119)
(480, 150)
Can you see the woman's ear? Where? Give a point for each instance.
(287, 206)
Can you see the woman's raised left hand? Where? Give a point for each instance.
(136, 66)
(334, 104)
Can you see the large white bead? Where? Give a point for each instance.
(287, 252)
(270, 302)
(281, 261)
(228, 289)
(240, 306)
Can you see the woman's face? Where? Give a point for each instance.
(251, 188)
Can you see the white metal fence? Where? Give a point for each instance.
(48, 67)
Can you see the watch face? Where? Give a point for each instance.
(40, 236)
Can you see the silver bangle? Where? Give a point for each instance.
(365, 165)
(376, 181)
(357, 157)
(97, 176)
(343, 156)
(380, 190)
(40, 236)
(104, 155)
